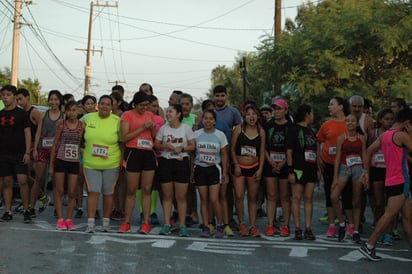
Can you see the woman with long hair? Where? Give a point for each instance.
(248, 155)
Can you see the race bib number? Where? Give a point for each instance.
(207, 158)
(248, 151)
(378, 160)
(100, 151)
(71, 152)
(277, 156)
(352, 160)
(144, 144)
(332, 151)
(47, 142)
(310, 156)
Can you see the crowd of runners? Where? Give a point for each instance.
(137, 152)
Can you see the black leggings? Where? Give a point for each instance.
(346, 193)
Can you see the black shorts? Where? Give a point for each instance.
(61, 166)
(267, 172)
(377, 174)
(12, 165)
(208, 176)
(397, 190)
(138, 160)
(246, 171)
(173, 170)
(308, 176)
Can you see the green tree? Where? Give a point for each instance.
(33, 86)
(334, 47)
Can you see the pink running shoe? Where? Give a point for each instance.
(350, 229)
(331, 233)
(69, 224)
(61, 225)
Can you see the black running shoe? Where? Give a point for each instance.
(356, 238)
(154, 220)
(298, 234)
(341, 233)
(7, 216)
(32, 213)
(27, 216)
(79, 213)
(309, 235)
(369, 253)
(19, 208)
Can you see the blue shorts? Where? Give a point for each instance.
(353, 172)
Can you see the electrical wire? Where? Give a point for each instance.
(39, 35)
(120, 43)
(30, 61)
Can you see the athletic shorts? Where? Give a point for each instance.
(377, 174)
(138, 160)
(308, 176)
(61, 166)
(43, 155)
(267, 172)
(173, 170)
(12, 164)
(101, 181)
(245, 171)
(397, 190)
(208, 176)
(353, 172)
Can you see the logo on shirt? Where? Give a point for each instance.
(172, 139)
(11, 121)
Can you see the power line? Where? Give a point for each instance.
(44, 42)
(44, 62)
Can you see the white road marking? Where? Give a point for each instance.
(236, 246)
(223, 248)
(160, 243)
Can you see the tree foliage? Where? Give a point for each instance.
(33, 86)
(335, 47)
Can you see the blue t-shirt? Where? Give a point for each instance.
(208, 146)
(231, 117)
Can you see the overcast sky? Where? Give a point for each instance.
(170, 44)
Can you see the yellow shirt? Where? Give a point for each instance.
(102, 137)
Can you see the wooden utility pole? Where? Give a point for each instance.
(16, 42)
(278, 19)
(117, 82)
(88, 68)
(242, 66)
(277, 34)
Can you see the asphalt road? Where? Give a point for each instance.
(39, 248)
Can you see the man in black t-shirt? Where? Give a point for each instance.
(15, 143)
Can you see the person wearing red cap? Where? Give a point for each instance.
(275, 168)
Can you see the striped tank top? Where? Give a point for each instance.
(69, 145)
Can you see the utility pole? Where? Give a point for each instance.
(88, 68)
(278, 31)
(117, 82)
(278, 19)
(16, 42)
(242, 66)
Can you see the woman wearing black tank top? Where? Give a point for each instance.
(248, 154)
